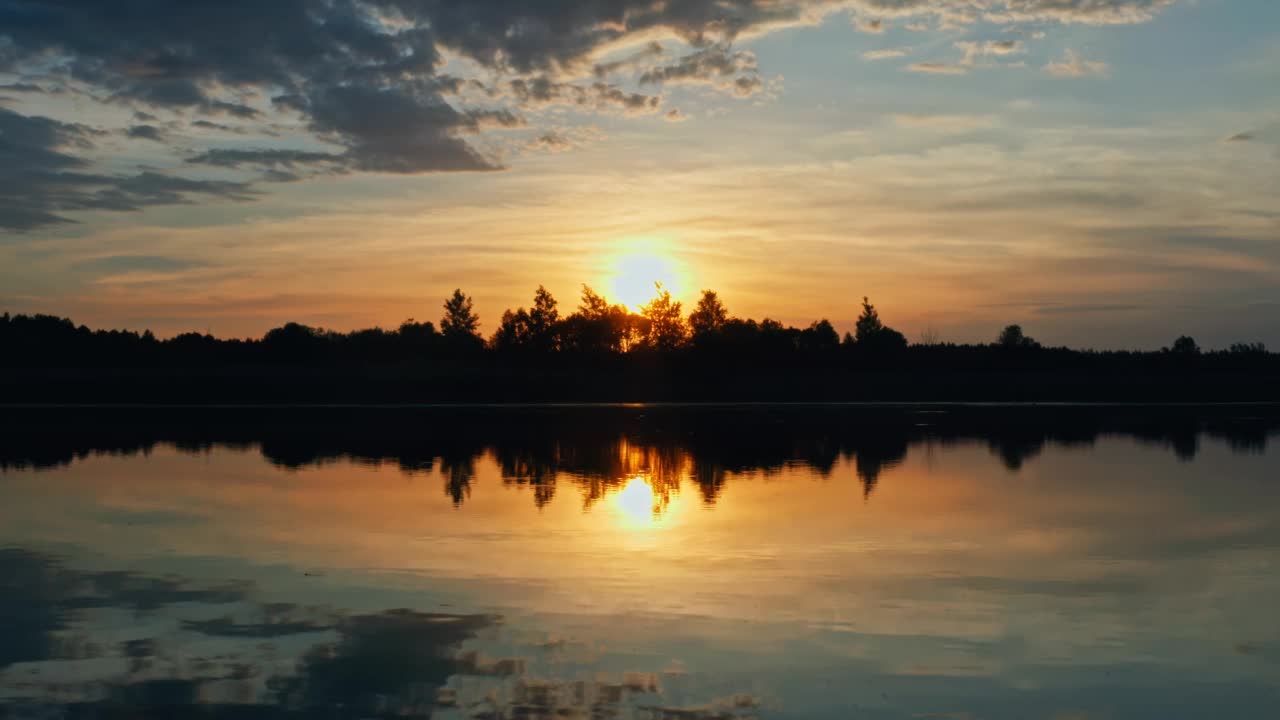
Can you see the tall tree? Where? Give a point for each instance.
(513, 331)
(543, 319)
(459, 318)
(593, 305)
(868, 325)
(709, 315)
(666, 321)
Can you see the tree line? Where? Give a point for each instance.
(595, 333)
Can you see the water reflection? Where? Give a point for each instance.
(644, 563)
(600, 450)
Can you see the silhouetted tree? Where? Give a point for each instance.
(597, 327)
(872, 335)
(417, 338)
(1256, 348)
(666, 322)
(708, 316)
(593, 305)
(542, 321)
(819, 337)
(868, 323)
(1184, 346)
(1012, 337)
(533, 330)
(513, 331)
(294, 342)
(459, 318)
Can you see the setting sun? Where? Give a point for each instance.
(634, 271)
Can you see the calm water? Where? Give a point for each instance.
(645, 563)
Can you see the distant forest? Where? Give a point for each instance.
(604, 351)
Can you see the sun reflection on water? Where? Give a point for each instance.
(635, 504)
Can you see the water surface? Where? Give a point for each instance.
(644, 563)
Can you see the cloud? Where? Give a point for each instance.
(869, 25)
(542, 91)
(1085, 12)
(974, 50)
(1073, 308)
(145, 132)
(125, 263)
(965, 12)
(41, 177)
(936, 68)
(277, 165)
(1072, 65)
(1241, 137)
(718, 66)
(209, 125)
(369, 75)
(636, 60)
(551, 141)
(563, 139)
(885, 53)
(946, 123)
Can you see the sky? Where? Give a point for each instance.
(1104, 172)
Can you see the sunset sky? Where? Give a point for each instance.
(1104, 172)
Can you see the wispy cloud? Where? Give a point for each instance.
(886, 53)
(937, 68)
(1074, 66)
(947, 123)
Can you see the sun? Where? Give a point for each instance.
(637, 266)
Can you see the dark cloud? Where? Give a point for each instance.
(636, 60)
(210, 125)
(266, 159)
(41, 178)
(392, 130)
(542, 91)
(551, 142)
(22, 88)
(121, 263)
(145, 132)
(717, 65)
(1073, 308)
(367, 74)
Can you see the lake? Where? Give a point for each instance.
(945, 562)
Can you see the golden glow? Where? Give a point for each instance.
(637, 266)
(635, 503)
